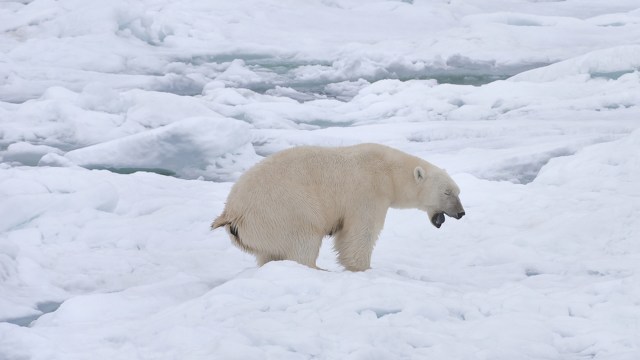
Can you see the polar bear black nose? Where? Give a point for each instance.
(460, 214)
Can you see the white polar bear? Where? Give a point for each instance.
(284, 206)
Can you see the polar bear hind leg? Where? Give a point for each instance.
(262, 259)
(305, 250)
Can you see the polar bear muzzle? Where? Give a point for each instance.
(437, 219)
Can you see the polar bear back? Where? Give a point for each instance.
(312, 188)
(307, 178)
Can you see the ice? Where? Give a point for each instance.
(176, 149)
(123, 126)
(25, 153)
(606, 63)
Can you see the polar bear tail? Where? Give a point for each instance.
(220, 221)
(223, 220)
(232, 228)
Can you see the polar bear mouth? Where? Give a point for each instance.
(437, 219)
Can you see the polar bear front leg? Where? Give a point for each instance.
(355, 241)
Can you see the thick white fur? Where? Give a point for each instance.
(283, 207)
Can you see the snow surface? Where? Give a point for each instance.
(124, 123)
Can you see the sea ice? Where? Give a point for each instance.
(531, 106)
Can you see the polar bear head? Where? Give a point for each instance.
(437, 194)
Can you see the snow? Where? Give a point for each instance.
(123, 125)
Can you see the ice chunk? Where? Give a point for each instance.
(239, 75)
(615, 164)
(56, 160)
(26, 153)
(214, 148)
(609, 63)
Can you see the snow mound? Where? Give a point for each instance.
(216, 149)
(606, 63)
(24, 153)
(613, 163)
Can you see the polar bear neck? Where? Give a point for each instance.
(405, 190)
(396, 169)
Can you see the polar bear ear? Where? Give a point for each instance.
(419, 174)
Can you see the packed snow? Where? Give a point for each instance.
(123, 125)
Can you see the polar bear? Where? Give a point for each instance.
(284, 206)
